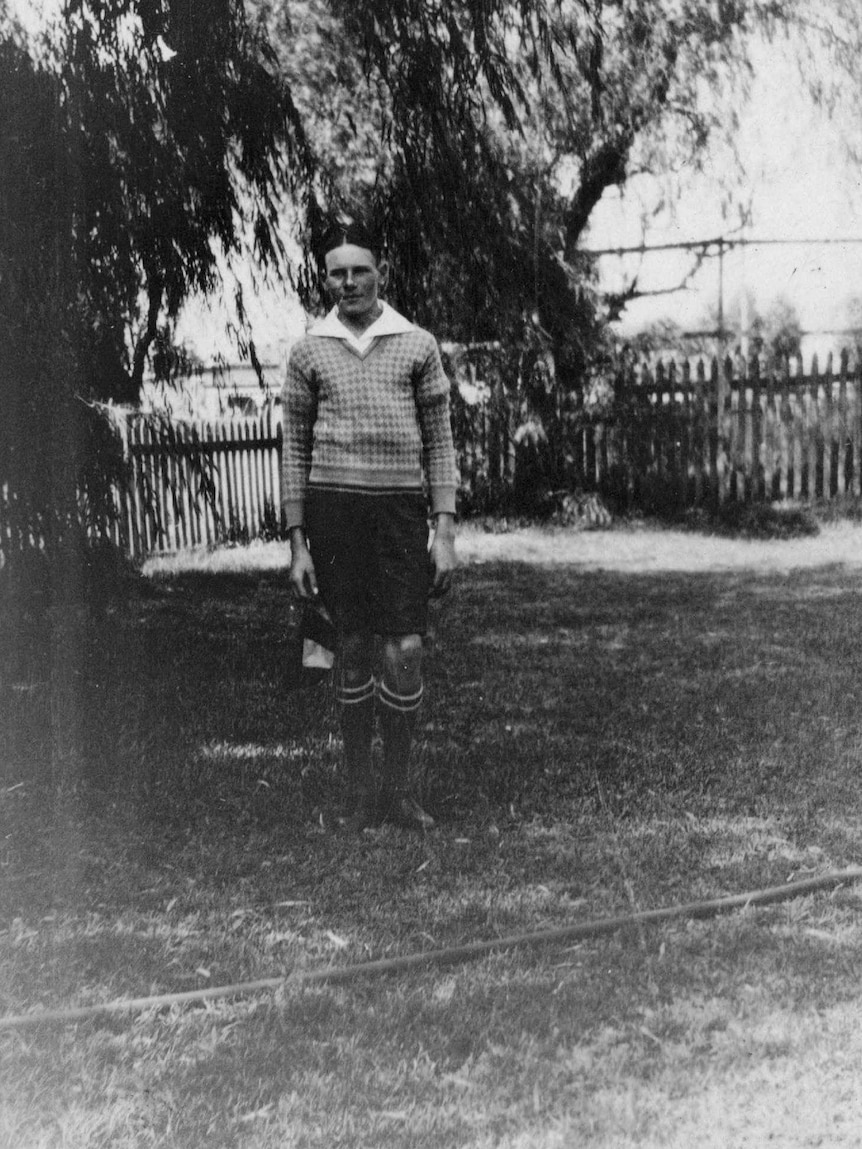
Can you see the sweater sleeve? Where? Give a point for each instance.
(299, 411)
(435, 425)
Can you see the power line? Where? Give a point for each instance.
(722, 243)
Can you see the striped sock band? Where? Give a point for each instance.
(355, 695)
(402, 703)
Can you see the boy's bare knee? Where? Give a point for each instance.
(402, 661)
(356, 658)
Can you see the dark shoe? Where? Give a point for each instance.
(406, 812)
(365, 813)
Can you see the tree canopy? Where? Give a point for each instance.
(146, 139)
(172, 137)
(485, 134)
(482, 132)
(142, 142)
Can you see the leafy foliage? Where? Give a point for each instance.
(512, 117)
(483, 135)
(178, 138)
(151, 139)
(142, 144)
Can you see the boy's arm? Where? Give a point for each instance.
(299, 412)
(435, 426)
(444, 559)
(303, 579)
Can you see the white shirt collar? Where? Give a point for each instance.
(388, 322)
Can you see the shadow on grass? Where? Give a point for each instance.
(191, 680)
(544, 686)
(739, 688)
(553, 694)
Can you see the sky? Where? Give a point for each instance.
(801, 186)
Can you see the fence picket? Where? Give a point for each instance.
(770, 424)
(149, 499)
(843, 437)
(242, 492)
(174, 492)
(830, 460)
(811, 444)
(686, 414)
(755, 425)
(210, 477)
(187, 509)
(254, 468)
(242, 460)
(190, 506)
(854, 416)
(270, 484)
(161, 467)
(254, 463)
(229, 517)
(226, 520)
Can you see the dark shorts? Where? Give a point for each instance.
(371, 559)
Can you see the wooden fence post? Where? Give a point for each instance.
(771, 456)
(828, 431)
(845, 400)
(723, 458)
(855, 417)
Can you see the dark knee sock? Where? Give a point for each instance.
(356, 712)
(397, 723)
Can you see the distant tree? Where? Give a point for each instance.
(781, 332)
(774, 332)
(853, 321)
(659, 338)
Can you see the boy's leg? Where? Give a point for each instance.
(400, 695)
(338, 538)
(355, 696)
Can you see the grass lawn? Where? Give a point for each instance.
(615, 721)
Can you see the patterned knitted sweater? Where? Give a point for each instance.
(374, 421)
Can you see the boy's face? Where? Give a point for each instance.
(353, 279)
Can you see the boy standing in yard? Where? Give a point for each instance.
(366, 417)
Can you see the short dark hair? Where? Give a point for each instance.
(345, 229)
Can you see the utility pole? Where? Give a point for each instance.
(68, 625)
(721, 331)
(744, 317)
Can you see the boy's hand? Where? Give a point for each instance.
(302, 576)
(444, 560)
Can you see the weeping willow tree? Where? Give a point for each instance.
(484, 133)
(142, 145)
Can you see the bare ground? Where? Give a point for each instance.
(624, 549)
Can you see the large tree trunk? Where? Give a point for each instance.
(65, 554)
(603, 168)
